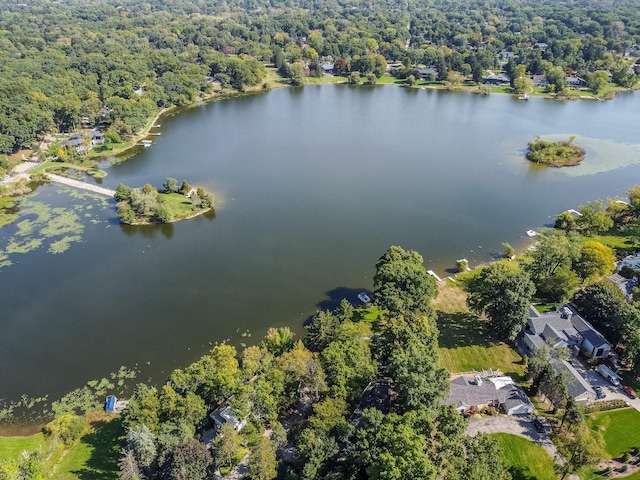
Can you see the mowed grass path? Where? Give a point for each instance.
(465, 343)
(525, 459)
(620, 429)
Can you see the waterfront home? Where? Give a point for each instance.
(223, 415)
(563, 328)
(471, 392)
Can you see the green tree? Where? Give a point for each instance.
(227, 447)
(354, 78)
(187, 459)
(170, 185)
(594, 218)
(349, 367)
(401, 283)
(503, 296)
(140, 441)
(262, 462)
(66, 428)
(582, 447)
(509, 251)
(278, 341)
(595, 260)
(565, 221)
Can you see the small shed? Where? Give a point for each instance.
(110, 404)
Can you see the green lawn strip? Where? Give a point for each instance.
(12, 447)
(369, 314)
(615, 242)
(525, 459)
(95, 456)
(179, 205)
(620, 429)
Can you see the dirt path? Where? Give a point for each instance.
(82, 185)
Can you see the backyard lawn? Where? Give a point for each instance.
(620, 428)
(11, 447)
(95, 456)
(525, 459)
(465, 344)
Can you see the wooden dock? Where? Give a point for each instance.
(81, 185)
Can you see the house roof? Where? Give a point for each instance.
(589, 333)
(576, 384)
(624, 284)
(467, 392)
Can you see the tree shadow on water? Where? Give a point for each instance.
(105, 443)
(335, 296)
(461, 329)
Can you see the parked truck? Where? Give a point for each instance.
(609, 374)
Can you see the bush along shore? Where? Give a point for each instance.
(556, 154)
(140, 206)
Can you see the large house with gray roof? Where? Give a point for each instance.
(473, 392)
(563, 328)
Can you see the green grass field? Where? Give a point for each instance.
(11, 447)
(95, 456)
(465, 344)
(620, 429)
(526, 460)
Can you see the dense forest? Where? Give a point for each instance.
(113, 64)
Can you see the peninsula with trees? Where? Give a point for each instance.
(139, 206)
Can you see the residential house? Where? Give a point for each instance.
(626, 285)
(428, 73)
(506, 56)
(474, 391)
(223, 415)
(632, 51)
(327, 68)
(540, 81)
(540, 45)
(577, 386)
(500, 79)
(632, 261)
(563, 328)
(576, 82)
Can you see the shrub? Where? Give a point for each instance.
(68, 428)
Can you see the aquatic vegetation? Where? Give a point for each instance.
(62, 245)
(37, 224)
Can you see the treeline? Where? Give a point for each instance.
(61, 63)
(352, 399)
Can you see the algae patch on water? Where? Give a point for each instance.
(602, 155)
(31, 224)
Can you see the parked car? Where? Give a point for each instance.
(599, 392)
(539, 426)
(629, 391)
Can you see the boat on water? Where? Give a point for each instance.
(146, 143)
(363, 297)
(531, 233)
(524, 97)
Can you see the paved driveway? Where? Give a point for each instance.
(521, 425)
(612, 392)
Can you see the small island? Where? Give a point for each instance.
(141, 206)
(556, 154)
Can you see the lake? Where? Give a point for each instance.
(312, 185)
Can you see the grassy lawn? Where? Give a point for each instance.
(615, 242)
(179, 205)
(11, 447)
(96, 456)
(59, 167)
(323, 80)
(369, 314)
(525, 459)
(620, 428)
(465, 344)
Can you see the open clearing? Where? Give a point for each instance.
(620, 428)
(526, 460)
(465, 343)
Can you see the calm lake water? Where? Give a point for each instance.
(311, 187)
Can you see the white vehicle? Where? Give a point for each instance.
(609, 374)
